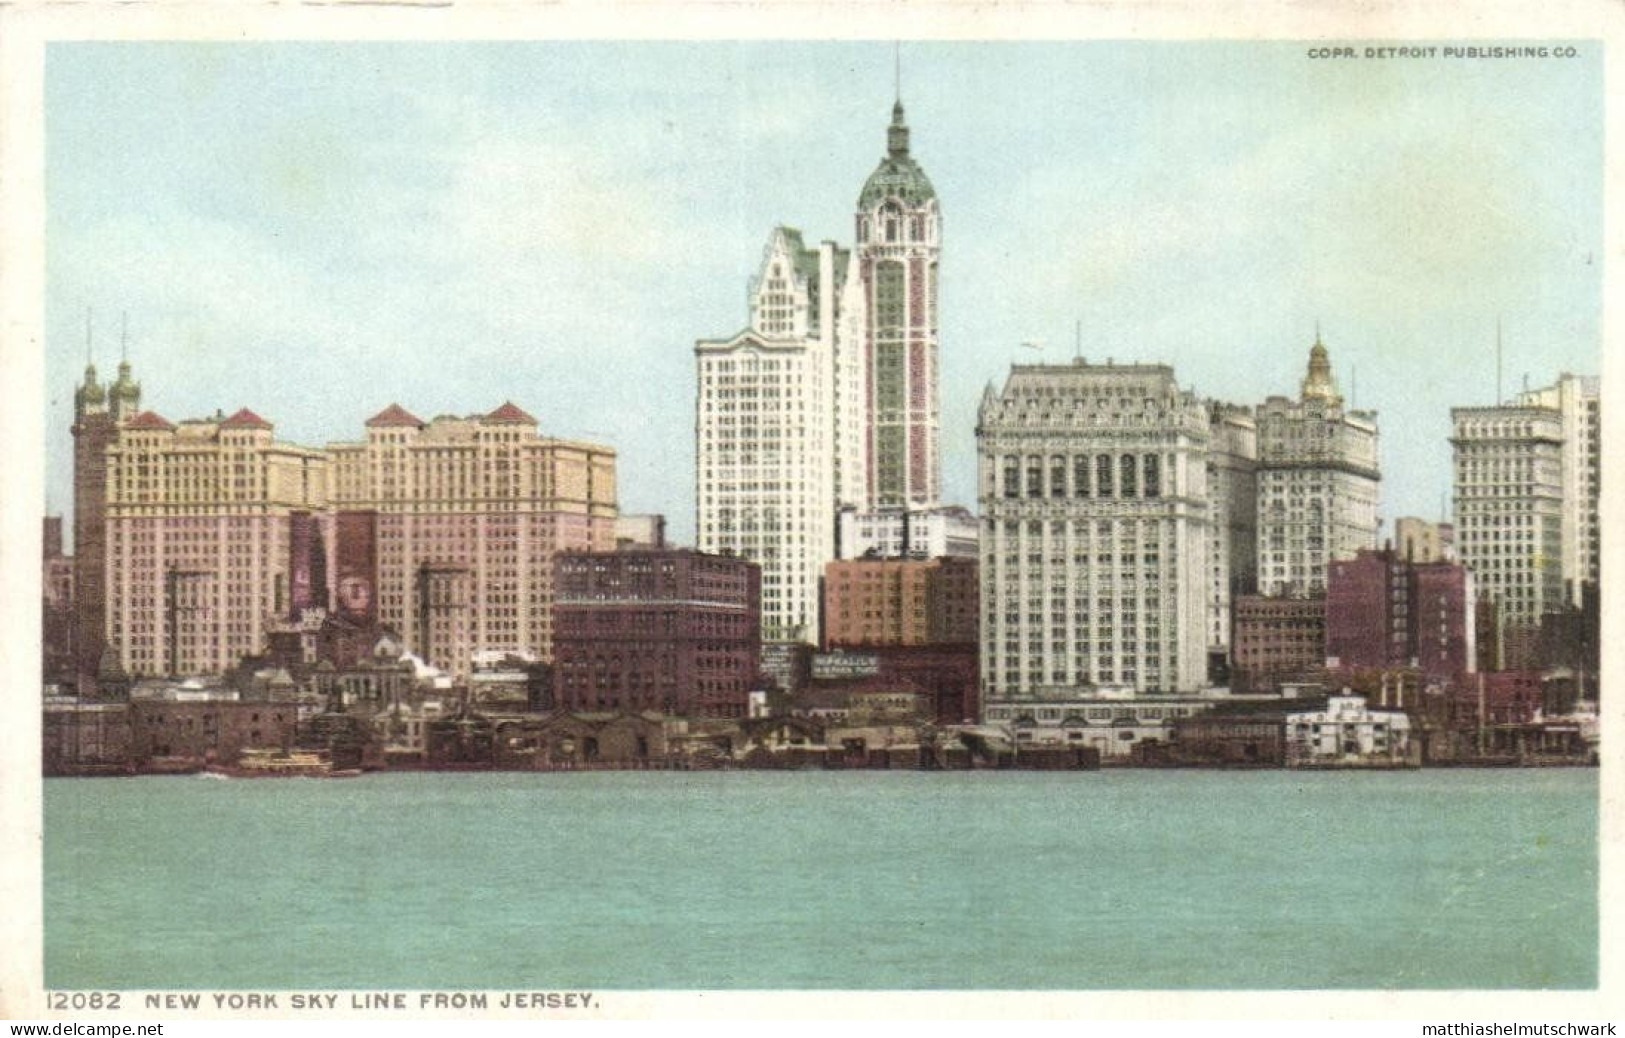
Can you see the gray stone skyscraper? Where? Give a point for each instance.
(1232, 484)
(1526, 493)
(1318, 483)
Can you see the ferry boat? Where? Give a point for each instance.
(270, 763)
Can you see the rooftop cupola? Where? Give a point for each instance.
(1318, 384)
(897, 133)
(89, 395)
(124, 395)
(898, 175)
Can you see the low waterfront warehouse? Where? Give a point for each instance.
(1348, 731)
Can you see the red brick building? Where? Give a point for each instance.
(669, 630)
(1384, 612)
(1367, 611)
(1505, 697)
(872, 602)
(1443, 629)
(1276, 640)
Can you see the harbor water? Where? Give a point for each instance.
(1124, 879)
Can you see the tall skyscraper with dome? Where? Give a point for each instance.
(899, 236)
(828, 398)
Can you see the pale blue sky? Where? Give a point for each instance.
(317, 230)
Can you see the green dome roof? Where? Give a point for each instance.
(900, 178)
(898, 175)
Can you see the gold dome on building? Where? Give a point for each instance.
(1319, 384)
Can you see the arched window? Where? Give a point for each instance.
(1127, 473)
(1153, 476)
(1080, 476)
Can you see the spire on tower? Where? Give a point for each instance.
(124, 395)
(897, 133)
(89, 396)
(897, 176)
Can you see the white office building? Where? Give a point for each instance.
(1095, 531)
(915, 533)
(769, 457)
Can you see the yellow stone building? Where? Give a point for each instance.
(217, 534)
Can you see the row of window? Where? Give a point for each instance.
(1082, 476)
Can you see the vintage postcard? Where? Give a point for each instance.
(661, 509)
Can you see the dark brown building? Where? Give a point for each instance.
(97, 412)
(1253, 740)
(787, 665)
(564, 741)
(85, 738)
(1487, 629)
(58, 662)
(669, 630)
(208, 732)
(1571, 637)
(948, 673)
(873, 602)
(1276, 640)
(862, 700)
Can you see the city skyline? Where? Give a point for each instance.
(1168, 198)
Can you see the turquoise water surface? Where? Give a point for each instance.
(859, 880)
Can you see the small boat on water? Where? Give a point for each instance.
(271, 763)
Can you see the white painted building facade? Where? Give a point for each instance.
(1347, 730)
(771, 461)
(1095, 530)
(1578, 402)
(1510, 506)
(926, 533)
